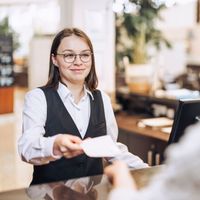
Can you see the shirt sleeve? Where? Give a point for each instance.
(111, 124)
(130, 159)
(33, 146)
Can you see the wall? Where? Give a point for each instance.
(39, 61)
(178, 21)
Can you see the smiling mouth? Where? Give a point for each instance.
(77, 69)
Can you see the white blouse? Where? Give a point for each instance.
(37, 149)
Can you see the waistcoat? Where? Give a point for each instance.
(59, 121)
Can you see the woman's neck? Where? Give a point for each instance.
(77, 90)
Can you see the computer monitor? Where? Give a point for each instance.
(187, 113)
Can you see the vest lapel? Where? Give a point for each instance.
(67, 119)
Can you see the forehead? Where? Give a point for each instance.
(74, 43)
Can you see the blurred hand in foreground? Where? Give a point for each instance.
(119, 175)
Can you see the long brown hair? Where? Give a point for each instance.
(91, 80)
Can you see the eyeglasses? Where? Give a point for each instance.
(71, 57)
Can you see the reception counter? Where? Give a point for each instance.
(87, 188)
(129, 122)
(147, 143)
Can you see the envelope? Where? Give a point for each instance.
(102, 146)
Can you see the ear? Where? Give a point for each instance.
(54, 60)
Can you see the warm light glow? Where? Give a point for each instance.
(126, 6)
(35, 18)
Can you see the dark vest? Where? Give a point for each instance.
(59, 121)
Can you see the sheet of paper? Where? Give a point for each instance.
(102, 146)
(156, 122)
(166, 129)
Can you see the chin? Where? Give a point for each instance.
(79, 79)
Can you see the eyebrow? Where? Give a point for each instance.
(74, 51)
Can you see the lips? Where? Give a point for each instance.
(77, 69)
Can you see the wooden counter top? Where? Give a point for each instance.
(128, 123)
(99, 187)
(142, 177)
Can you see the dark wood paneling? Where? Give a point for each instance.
(6, 99)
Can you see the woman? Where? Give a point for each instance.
(68, 109)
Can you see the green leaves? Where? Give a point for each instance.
(6, 29)
(140, 30)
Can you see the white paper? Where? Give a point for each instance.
(102, 146)
(156, 122)
(166, 129)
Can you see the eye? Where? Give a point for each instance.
(85, 55)
(69, 56)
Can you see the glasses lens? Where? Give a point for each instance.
(69, 58)
(85, 57)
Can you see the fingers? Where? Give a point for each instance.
(71, 154)
(112, 170)
(109, 172)
(67, 145)
(63, 149)
(74, 139)
(72, 144)
(119, 175)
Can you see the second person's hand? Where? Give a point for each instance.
(120, 176)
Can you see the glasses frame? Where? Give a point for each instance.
(75, 54)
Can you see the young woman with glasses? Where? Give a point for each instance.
(68, 109)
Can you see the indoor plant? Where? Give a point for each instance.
(6, 30)
(136, 34)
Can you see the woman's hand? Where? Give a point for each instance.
(120, 176)
(67, 146)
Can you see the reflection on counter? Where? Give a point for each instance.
(86, 188)
(83, 188)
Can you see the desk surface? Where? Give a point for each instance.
(129, 122)
(87, 188)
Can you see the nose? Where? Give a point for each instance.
(77, 60)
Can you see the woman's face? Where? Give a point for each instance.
(73, 59)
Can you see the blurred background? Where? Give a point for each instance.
(147, 58)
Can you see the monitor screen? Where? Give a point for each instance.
(187, 113)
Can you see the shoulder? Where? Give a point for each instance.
(104, 95)
(106, 99)
(35, 94)
(35, 100)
